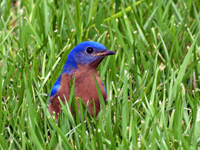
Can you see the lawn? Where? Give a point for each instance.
(152, 82)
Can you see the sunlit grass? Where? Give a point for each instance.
(152, 82)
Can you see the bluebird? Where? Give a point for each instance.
(81, 63)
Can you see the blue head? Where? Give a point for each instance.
(86, 53)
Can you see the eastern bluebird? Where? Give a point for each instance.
(81, 63)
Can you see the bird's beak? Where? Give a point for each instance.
(105, 53)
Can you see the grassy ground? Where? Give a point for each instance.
(152, 82)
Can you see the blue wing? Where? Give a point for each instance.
(55, 87)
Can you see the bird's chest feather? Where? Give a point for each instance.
(85, 86)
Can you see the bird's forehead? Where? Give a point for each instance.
(92, 44)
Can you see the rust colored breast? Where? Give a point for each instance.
(85, 88)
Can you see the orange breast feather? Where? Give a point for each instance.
(85, 88)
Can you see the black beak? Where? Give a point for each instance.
(105, 53)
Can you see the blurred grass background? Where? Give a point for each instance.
(152, 82)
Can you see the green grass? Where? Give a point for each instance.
(152, 82)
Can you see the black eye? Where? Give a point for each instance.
(89, 50)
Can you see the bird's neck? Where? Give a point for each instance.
(70, 65)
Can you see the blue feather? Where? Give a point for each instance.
(55, 87)
(104, 88)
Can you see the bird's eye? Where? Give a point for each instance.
(89, 50)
